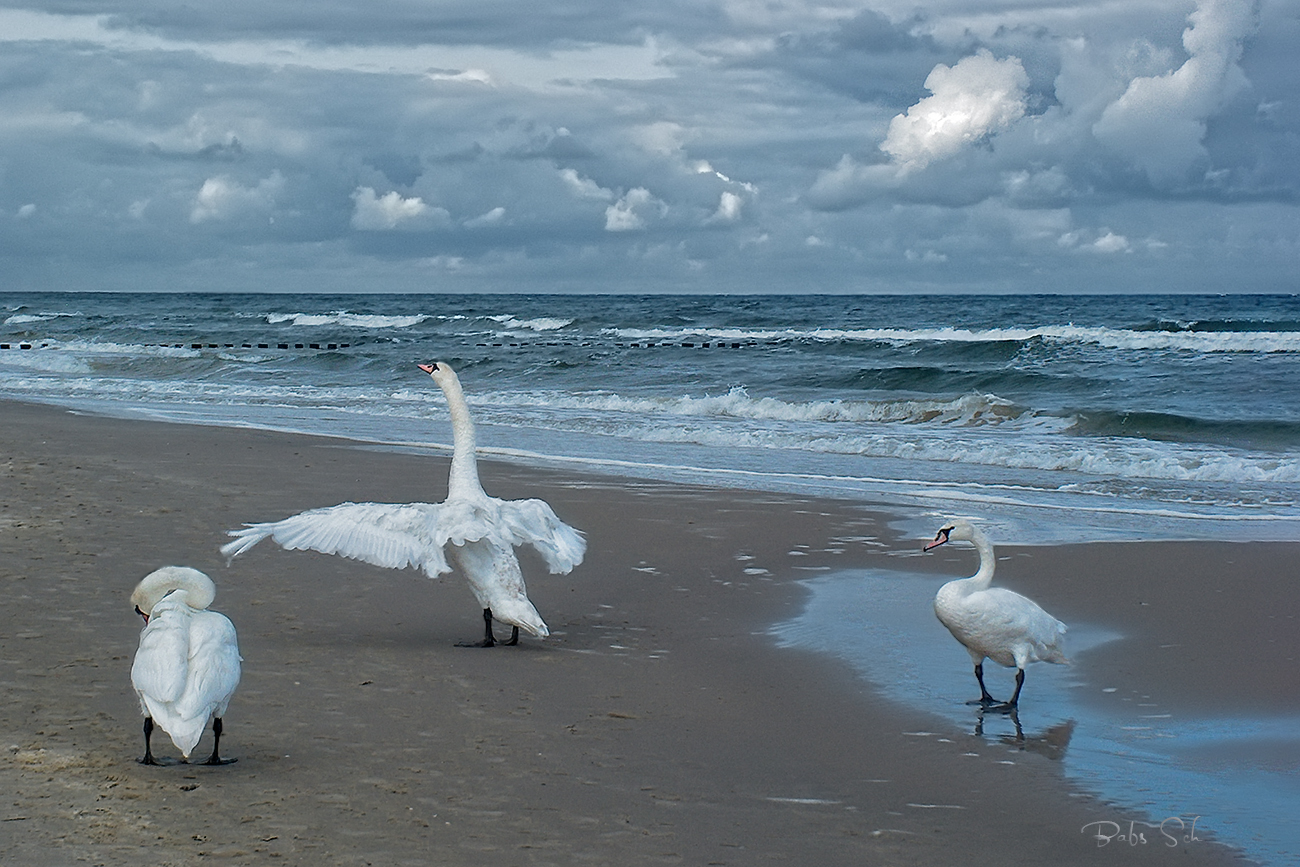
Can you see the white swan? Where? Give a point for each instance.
(994, 622)
(481, 531)
(187, 666)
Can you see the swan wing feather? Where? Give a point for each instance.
(391, 535)
(533, 522)
(161, 665)
(214, 666)
(998, 620)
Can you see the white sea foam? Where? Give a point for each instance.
(541, 323)
(967, 410)
(345, 319)
(1112, 338)
(32, 318)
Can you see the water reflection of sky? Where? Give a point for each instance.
(1237, 774)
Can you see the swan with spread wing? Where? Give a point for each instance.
(477, 532)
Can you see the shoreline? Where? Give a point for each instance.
(659, 724)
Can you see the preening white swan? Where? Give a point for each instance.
(994, 622)
(479, 532)
(187, 666)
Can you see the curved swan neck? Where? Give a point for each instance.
(464, 466)
(984, 577)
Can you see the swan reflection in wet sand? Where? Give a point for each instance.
(1052, 743)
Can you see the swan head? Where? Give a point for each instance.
(955, 530)
(199, 589)
(441, 372)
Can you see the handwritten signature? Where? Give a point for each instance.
(1106, 832)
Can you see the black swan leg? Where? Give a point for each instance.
(489, 639)
(985, 700)
(1010, 706)
(215, 758)
(148, 733)
(514, 637)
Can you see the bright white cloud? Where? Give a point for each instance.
(1104, 242)
(221, 198)
(1111, 243)
(585, 188)
(1159, 123)
(729, 205)
(469, 76)
(374, 213)
(493, 217)
(974, 98)
(633, 210)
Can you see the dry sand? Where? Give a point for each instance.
(658, 725)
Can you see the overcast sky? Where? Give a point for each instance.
(673, 145)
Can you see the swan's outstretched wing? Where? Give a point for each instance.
(382, 534)
(532, 522)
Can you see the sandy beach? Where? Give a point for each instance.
(659, 724)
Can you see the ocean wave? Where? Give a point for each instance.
(540, 323)
(1110, 338)
(346, 320)
(971, 410)
(32, 318)
(1241, 433)
(1104, 460)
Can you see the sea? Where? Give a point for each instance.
(1051, 419)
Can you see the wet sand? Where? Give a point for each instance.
(660, 723)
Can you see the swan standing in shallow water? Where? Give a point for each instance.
(479, 532)
(187, 666)
(994, 622)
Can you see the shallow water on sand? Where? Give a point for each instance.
(1233, 777)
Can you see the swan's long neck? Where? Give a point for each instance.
(984, 577)
(464, 466)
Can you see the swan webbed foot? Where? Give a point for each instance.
(490, 640)
(148, 758)
(985, 700)
(214, 759)
(1004, 707)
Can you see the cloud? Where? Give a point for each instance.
(1159, 123)
(372, 213)
(584, 188)
(221, 198)
(469, 76)
(493, 217)
(976, 97)
(631, 212)
(1106, 242)
(156, 140)
(729, 205)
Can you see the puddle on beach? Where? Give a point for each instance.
(1236, 774)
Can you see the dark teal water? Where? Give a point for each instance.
(1057, 418)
